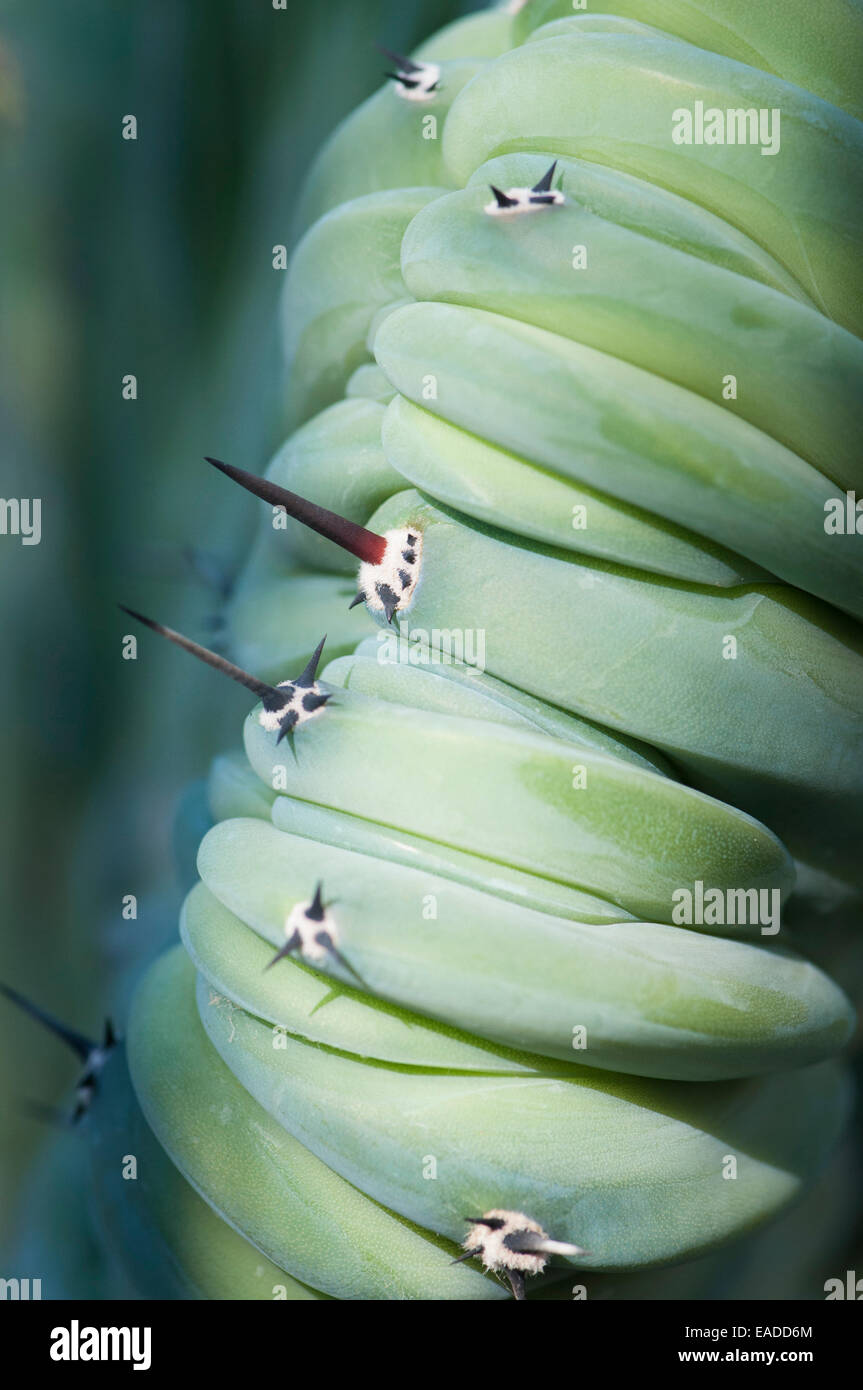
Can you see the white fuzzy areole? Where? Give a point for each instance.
(523, 203)
(271, 719)
(494, 1254)
(428, 76)
(307, 929)
(392, 569)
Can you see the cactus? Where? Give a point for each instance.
(438, 1027)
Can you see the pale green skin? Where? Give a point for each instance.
(327, 317)
(654, 212)
(646, 659)
(655, 651)
(450, 686)
(338, 454)
(331, 827)
(169, 1243)
(628, 834)
(482, 481)
(655, 1000)
(763, 328)
(819, 47)
(304, 1106)
(589, 1146)
(368, 381)
(381, 145)
(599, 420)
(650, 303)
(291, 1206)
(232, 789)
(610, 98)
(486, 34)
(590, 1149)
(263, 640)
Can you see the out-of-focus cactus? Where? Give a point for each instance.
(610, 659)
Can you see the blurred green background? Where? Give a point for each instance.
(151, 257)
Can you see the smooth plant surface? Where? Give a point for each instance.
(524, 834)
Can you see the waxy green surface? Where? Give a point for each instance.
(513, 393)
(655, 1000)
(368, 381)
(600, 421)
(399, 847)
(330, 297)
(494, 485)
(234, 790)
(537, 803)
(295, 1209)
(386, 143)
(610, 98)
(631, 1169)
(424, 670)
(646, 208)
(818, 47)
(310, 1004)
(276, 623)
(337, 460)
(166, 1239)
(486, 34)
(776, 729)
(646, 302)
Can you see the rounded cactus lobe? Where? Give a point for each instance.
(499, 487)
(627, 834)
(308, 1004)
(369, 382)
(168, 1242)
(381, 316)
(434, 679)
(484, 35)
(645, 657)
(653, 305)
(615, 427)
(611, 98)
(319, 1131)
(571, 25)
(234, 790)
(255, 1175)
(330, 298)
(382, 145)
(339, 828)
(630, 1169)
(651, 211)
(818, 48)
(262, 637)
(337, 460)
(653, 1000)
